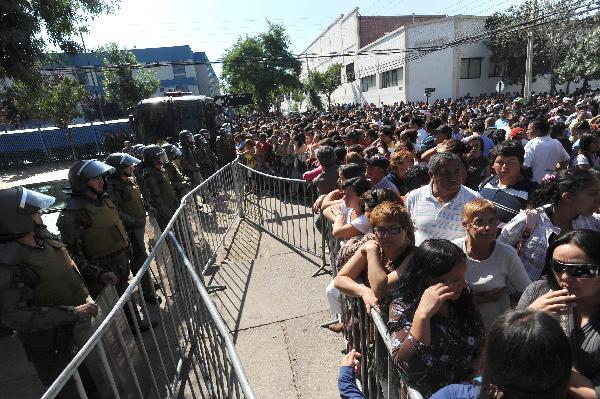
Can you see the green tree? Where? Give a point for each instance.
(325, 82)
(27, 28)
(582, 61)
(20, 101)
(121, 84)
(262, 65)
(60, 103)
(509, 49)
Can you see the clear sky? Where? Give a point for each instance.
(213, 26)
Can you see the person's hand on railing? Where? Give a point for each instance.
(369, 299)
(109, 278)
(317, 205)
(352, 359)
(87, 310)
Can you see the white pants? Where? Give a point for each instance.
(334, 296)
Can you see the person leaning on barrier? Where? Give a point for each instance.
(178, 183)
(435, 330)
(132, 210)
(91, 228)
(526, 356)
(156, 181)
(42, 294)
(187, 163)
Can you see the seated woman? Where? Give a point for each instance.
(347, 217)
(436, 332)
(508, 189)
(571, 293)
(345, 172)
(563, 203)
(371, 200)
(526, 356)
(379, 259)
(492, 266)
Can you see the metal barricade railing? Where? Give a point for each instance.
(190, 353)
(283, 209)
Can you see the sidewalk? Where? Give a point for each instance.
(274, 309)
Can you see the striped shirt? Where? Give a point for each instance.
(510, 200)
(433, 220)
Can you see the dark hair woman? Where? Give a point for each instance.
(587, 157)
(509, 189)
(435, 330)
(563, 203)
(526, 356)
(571, 292)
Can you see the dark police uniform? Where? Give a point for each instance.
(39, 287)
(160, 194)
(96, 239)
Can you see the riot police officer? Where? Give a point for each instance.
(189, 167)
(205, 158)
(42, 295)
(132, 210)
(225, 148)
(178, 182)
(92, 229)
(156, 181)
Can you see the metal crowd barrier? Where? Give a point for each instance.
(190, 353)
(282, 207)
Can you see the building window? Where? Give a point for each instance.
(178, 71)
(496, 69)
(470, 68)
(368, 82)
(181, 88)
(391, 78)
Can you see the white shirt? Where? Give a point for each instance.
(385, 183)
(502, 268)
(542, 154)
(361, 223)
(433, 220)
(533, 253)
(421, 135)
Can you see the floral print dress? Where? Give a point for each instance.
(455, 342)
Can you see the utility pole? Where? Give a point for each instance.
(529, 61)
(94, 81)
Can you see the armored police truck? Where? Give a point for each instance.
(161, 117)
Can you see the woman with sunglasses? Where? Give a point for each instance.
(571, 292)
(492, 266)
(435, 330)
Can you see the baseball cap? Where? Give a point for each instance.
(514, 132)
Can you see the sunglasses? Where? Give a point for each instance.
(577, 270)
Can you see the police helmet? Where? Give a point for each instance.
(18, 204)
(138, 151)
(120, 161)
(199, 138)
(186, 137)
(173, 152)
(154, 154)
(83, 171)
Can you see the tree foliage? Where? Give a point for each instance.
(262, 65)
(28, 27)
(122, 84)
(563, 48)
(325, 82)
(60, 102)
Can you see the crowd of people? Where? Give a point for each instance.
(449, 217)
(470, 224)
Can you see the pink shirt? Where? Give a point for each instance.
(312, 174)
